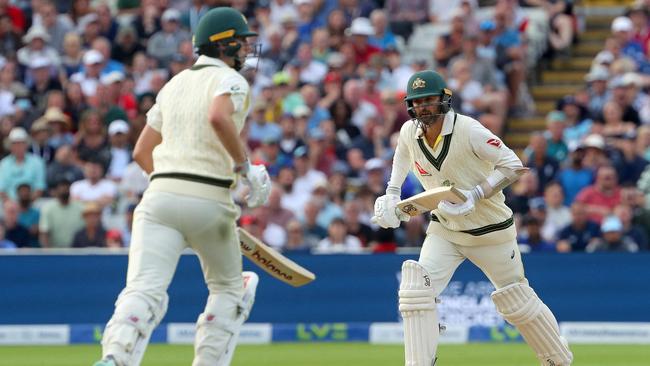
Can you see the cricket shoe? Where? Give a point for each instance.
(108, 361)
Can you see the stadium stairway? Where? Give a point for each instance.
(565, 75)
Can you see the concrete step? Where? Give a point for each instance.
(598, 22)
(563, 77)
(595, 35)
(517, 140)
(553, 92)
(573, 63)
(543, 107)
(587, 49)
(528, 124)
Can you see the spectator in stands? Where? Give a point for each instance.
(163, 44)
(450, 45)
(531, 240)
(307, 20)
(103, 46)
(623, 31)
(595, 152)
(372, 135)
(641, 31)
(88, 78)
(404, 15)
(88, 29)
(537, 158)
(91, 141)
(613, 125)
(94, 187)
(522, 191)
(338, 240)
(126, 45)
(15, 14)
(557, 214)
(9, 38)
(613, 239)
(39, 145)
(577, 126)
(554, 134)
(4, 242)
(9, 80)
(71, 57)
(120, 150)
(311, 97)
(93, 233)
(42, 81)
(107, 24)
(574, 176)
(509, 54)
(630, 229)
(296, 242)
(20, 167)
(359, 33)
(37, 45)
(354, 226)
(62, 167)
(28, 216)
(619, 87)
(56, 26)
(273, 209)
(629, 164)
(412, 233)
(597, 89)
(383, 37)
(79, 9)
(313, 231)
(14, 231)
(582, 232)
(601, 197)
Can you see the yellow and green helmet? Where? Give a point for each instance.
(221, 24)
(424, 84)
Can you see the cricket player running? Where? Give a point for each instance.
(445, 148)
(192, 150)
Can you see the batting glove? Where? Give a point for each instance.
(386, 213)
(259, 183)
(465, 208)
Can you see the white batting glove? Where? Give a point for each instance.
(386, 213)
(465, 208)
(259, 183)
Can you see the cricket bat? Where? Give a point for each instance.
(429, 199)
(271, 261)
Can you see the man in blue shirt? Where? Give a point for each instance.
(20, 167)
(581, 232)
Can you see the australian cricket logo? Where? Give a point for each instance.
(418, 83)
(447, 183)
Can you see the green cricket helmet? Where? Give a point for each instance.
(423, 84)
(223, 27)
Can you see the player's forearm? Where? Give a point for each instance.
(507, 170)
(401, 163)
(229, 137)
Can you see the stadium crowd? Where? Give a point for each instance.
(77, 78)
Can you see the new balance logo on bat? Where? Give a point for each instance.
(422, 172)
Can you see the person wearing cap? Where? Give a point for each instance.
(446, 149)
(89, 76)
(93, 234)
(118, 131)
(20, 167)
(37, 45)
(359, 33)
(556, 147)
(39, 146)
(623, 31)
(597, 88)
(613, 239)
(192, 151)
(164, 43)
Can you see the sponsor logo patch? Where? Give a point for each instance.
(421, 170)
(494, 142)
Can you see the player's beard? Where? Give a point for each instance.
(427, 119)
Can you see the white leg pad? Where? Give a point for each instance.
(217, 329)
(127, 333)
(520, 306)
(417, 304)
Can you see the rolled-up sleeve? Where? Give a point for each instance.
(237, 87)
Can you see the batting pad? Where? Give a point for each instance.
(417, 304)
(520, 306)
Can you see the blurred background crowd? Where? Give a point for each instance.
(78, 76)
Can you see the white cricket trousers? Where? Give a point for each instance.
(501, 263)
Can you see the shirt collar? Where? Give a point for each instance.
(447, 125)
(205, 60)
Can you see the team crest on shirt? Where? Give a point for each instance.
(421, 170)
(494, 142)
(447, 183)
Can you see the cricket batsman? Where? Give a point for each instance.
(192, 150)
(443, 148)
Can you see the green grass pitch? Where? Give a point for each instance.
(332, 354)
